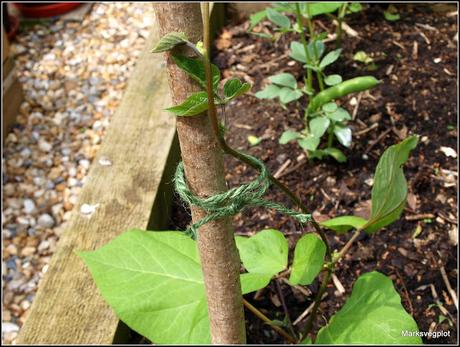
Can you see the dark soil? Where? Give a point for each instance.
(418, 96)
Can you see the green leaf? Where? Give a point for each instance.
(252, 281)
(193, 105)
(391, 14)
(154, 283)
(287, 95)
(335, 153)
(343, 224)
(278, 18)
(284, 79)
(269, 92)
(288, 136)
(362, 57)
(309, 143)
(343, 134)
(390, 218)
(298, 52)
(263, 35)
(169, 41)
(256, 18)
(194, 67)
(319, 49)
(390, 187)
(372, 315)
(330, 58)
(332, 80)
(355, 7)
(234, 88)
(308, 259)
(254, 140)
(319, 8)
(319, 125)
(330, 107)
(339, 115)
(266, 252)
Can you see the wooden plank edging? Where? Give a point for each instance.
(68, 308)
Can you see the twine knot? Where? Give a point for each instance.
(233, 201)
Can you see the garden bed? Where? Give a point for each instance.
(416, 59)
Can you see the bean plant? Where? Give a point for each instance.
(153, 279)
(322, 116)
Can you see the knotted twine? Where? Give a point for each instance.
(233, 201)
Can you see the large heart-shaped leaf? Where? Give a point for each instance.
(308, 259)
(265, 253)
(390, 187)
(169, 41)
(154, 283)
(252, 281)
(195, 68)
(372, 315)
(192, 106)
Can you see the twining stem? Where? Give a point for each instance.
(267, 320)
(305, 46)
(315, 49)
(227, 149)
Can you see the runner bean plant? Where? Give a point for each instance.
(153, 279)
(322, 114)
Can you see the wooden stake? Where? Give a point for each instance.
(204, 170)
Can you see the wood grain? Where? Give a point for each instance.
(68, 308)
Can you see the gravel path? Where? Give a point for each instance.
(73, 76)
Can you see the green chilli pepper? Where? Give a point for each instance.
(354, 85)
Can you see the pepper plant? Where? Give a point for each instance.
(153, 279)
(322, 115)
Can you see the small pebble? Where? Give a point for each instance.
(45, 221)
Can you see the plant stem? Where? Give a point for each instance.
(339, 31)
(267, 320)
(315, 49)
(285, 308)
(330, 138)
(314, 310)
(305, 46)
(347, 246)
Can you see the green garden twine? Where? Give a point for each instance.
(234, 200)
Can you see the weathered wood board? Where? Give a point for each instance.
(68, 308)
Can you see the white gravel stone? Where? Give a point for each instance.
(45, 221)
(29, 206)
